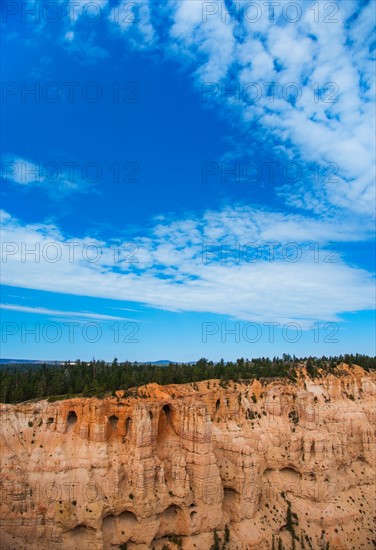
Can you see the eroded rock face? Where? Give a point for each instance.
(185, 460)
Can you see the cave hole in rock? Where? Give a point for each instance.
(164, 423)
(50, 420)
(150, 415)
(193, 516)
(118, 529)
(71, 420)
(167, 441)
(113, 422)
(230, 499)
(167, 410)
(81, 529)
(81, 535)
(126, 523)
(172, 522)
(229, 492)
(108, 529)
(289, 475)
(217, 405)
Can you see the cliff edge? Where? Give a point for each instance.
(257, 461)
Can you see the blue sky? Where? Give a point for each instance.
(189, 175)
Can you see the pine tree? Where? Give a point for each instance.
(217, 540)
(227, 534)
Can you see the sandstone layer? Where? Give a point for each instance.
(170, 464)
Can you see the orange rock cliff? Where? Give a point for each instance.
(167, 466)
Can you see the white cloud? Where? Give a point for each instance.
(237, 49)
(56, 178)
(213, 45)
(62, 313)
(133, 20)
(172, 273)
(238, 43)
(69, 36)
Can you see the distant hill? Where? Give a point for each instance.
(160, 363)
(28, 362)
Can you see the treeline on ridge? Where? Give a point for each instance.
(97, 378)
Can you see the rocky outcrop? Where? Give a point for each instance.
(171, 464)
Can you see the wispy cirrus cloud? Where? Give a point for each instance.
(179, 266)
(62, 313)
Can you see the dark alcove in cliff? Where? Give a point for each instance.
(113, 422)
(80, 536)
(167, 439)
(118, 529)
(71, 420)
(194, 518)
(230, 501)
(165, 424)
(167, 410)
(172, 522)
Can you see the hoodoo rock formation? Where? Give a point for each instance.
(166, 466)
